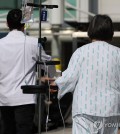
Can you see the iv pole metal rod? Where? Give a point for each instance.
(42, 6)
(39, 73)
(39, 66)
(39, 59)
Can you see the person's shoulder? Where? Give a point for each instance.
(82, 49)
(3, 39)
(32, 40)
(114, 47)
(117, 49)
(85, 46)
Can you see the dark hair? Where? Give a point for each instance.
(14, 18)
(101, 28)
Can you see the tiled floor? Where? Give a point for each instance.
(60, 130)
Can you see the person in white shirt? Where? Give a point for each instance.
(18, 56)
(93, 76)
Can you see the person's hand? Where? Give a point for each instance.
(53, 87)
(53, 83)
(46, 79)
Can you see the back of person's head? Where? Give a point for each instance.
(101, 28)
(14, 18)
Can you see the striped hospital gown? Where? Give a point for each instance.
(93, 75)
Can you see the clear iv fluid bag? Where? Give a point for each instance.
(27, 12)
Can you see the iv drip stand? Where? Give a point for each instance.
(36, 88)
(39, 73)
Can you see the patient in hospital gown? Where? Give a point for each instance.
(93, 76)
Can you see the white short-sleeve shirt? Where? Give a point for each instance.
(18, 55)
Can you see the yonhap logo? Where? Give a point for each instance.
(98, 125)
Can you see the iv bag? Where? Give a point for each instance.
(44, 14)
(27, 12)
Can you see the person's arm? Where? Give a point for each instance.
(67, 82)
(51, 68)
(44, 57)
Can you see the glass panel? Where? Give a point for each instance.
(9, 4)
